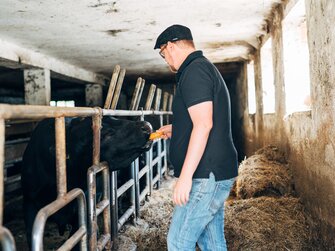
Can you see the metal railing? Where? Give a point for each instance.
(64, 197)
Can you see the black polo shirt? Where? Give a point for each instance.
(198, 81)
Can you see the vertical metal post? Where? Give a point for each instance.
(60, 156)
(150, 172)
(93, 227)
(106, 212)
(137, 189)
(133, 192)
(115, 216)
(2, 163)
(159, 163)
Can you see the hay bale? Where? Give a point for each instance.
(260, 177)
(267, 223)
(272, 153)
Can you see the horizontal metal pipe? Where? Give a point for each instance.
(73, 240)
(40, 112)
(125, 187)
(155, 161)
(101, 206)
(102, 242)
(143, 171)
(126, 216)
(133, 113)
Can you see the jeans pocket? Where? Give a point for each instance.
(221, 193)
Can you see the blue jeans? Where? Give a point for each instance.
(201, 220)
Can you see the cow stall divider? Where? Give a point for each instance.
(86, 237)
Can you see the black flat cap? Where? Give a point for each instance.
(173, 33)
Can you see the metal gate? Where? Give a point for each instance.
(108, 204)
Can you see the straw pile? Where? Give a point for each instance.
(151, 230)
(261, 212)
(259, 176)
(267, 223)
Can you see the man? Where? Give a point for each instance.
(201, 149)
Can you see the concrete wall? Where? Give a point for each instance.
(309, 137)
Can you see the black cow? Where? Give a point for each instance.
(122, 141)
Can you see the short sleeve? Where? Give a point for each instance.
(197, 85)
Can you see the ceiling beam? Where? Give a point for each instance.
(15, 57)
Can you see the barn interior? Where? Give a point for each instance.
(277, 58)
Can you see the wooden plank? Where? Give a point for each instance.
(112, 86)
(150, 97)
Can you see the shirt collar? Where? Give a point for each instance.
(187, 61)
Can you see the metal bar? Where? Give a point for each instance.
(114, 206)
(143, 171)
(101, 206)
(111, 88)
(159, 166)
(133, 189)
(60, 156)
(7, 240)
(150, 171)
(140, 94)
(103, 242)
(144, 193)
(125, 187)
(158, 99)
(165, 101)
(41, 112)
(125, 216)
(133, 113)
(2, 163)
(106, 211)
(73, 240)
(52, 208)
(92, 217)
(118, 89)
(135, 94)
(91, 183)
(155, 179)
(155, 161)
(137, 189)
(150, 97)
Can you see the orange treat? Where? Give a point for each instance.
(155, 135)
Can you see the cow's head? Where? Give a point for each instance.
(122, 141)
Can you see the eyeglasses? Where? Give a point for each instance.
(161, 51)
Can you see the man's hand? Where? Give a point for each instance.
(166, 130)
(181, 191)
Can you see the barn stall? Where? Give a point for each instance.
(276, 56)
